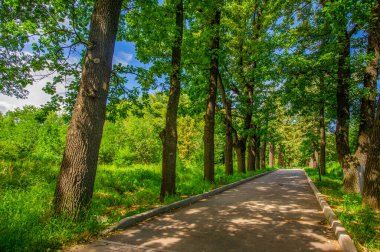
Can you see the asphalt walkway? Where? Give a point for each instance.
(276, 212)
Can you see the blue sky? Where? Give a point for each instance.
(124, 53)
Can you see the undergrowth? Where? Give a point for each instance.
(362, 223)
(27, 222)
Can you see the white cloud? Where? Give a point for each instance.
(36, 97)
(123, 57)
(5, 106)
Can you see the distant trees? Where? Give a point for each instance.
(24, 137)
(330, 56)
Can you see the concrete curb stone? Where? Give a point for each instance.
(343, 237)
(135, 219)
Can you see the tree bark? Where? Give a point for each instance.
(240, 149)
(75, 184)
(257, 151)
(346, 160)
(251, 155)
(281, 160)
(368, 101)
(271, 155)
(322, 133)
(208, 138)
(263, 154)
(169, 134)
(315, 154)
(228, 146)
(371, 192)
(241, 145)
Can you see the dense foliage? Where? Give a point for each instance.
(260, 83)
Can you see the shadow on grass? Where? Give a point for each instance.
(28, 224)
(362, 223)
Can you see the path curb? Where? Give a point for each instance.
(133, 220)
(343, 237)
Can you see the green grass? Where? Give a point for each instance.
(27, 222)
(363, 224)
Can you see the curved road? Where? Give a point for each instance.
(276, 212)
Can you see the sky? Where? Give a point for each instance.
(124, 54)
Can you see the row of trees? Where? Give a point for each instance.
(262, 60)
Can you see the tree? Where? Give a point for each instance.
(169, 134)
(271, 154)
(368, 101)
(228, 145)
(208, 137)
(371, 194)
(322, 145)
(346, 160)
(77, 175)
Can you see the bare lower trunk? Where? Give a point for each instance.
(208, 138)
(228, 153)
(251, 155)
(228, 145)
(248, 92)
(368, 102)
(263, 154)
(371, 193)
(271, 155)
(257, 151)
(75, 184)
(312, 162)
(169, 134)
(346, 160)
(316, 156)
(240, 155)
(281, 156)
(322, 156)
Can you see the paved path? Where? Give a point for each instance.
(276, 212)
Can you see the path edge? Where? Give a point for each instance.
(135, 219)
(344, 239)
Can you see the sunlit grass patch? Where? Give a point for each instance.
(27, 222)
(362, 223)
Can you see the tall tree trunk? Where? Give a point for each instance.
(371, 193)
(315, 154)
(263, 154)
(271, 155)
(257, 151)
(346, 160)
(322, 133)
(368, 102)
(281, 156)
(228, 145)
(208, 138)
(169, 134)
(240, 148)
(75, 184)
(251, 155)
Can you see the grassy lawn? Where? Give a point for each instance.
(361, 223)
(27, 222)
